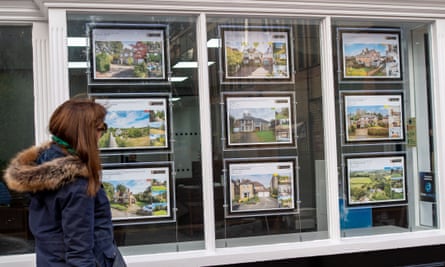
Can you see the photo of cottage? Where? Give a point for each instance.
(128, 54)
(138, 192)
(373, 117)
(369, 54)
(264, 120)
(263, 186)
(256, 53)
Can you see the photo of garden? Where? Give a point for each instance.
(256, 54)
(128, 54)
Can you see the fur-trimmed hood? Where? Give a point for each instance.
(24, 175)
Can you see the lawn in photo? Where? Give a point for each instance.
(135, 124)
(373, 117)
(376, 180)
(261, 120)
(136, 193)
(371, 54)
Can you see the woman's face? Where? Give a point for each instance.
(101, 130)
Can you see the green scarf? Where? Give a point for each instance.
(64, 144)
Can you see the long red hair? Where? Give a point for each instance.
(76, 122)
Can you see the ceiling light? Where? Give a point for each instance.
(186, 65)
(189, 64)
(78, 65)
(77, 42)
(178, 79)
(214, 43)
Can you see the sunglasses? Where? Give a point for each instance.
(103, 128)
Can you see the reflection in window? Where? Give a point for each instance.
(17, 122)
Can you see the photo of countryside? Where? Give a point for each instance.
(369, 186)
(134, 129)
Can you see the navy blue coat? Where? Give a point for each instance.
(70, 227)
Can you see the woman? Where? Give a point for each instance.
(69, 212)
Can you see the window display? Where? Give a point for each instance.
(128, 52)
(261, 186)
(376, 179)
(266, 128)
(253, 129)
(135, 123)
(139, 192)
(379, 140)
(256, 53)
(150, 150)
(370, 53)
(373, 117)
(254, 119)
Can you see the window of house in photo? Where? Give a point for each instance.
(17, 122)
(267, 130)
(385, 144)
(143, 69)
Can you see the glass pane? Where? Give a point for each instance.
(267, 130)
(17, 116)
(384, 135)
(166, 214)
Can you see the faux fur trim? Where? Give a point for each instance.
(24, 175)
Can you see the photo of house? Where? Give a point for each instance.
(256, 53)
(138, 192)
(263, 186)
(259, 120)
(373, 117)
(128, 53)
(371, 54)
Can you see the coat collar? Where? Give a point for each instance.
(23, 174)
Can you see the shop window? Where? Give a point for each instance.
(17, 122)
(387, 180)
(151, 152)
(267, 129)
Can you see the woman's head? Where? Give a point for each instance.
(77, 122)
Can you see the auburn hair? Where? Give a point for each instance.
(76, 122)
